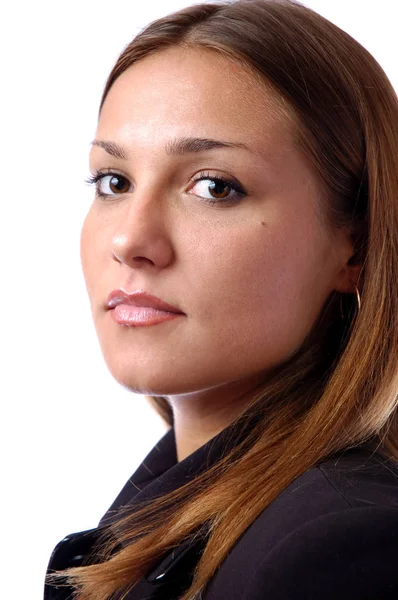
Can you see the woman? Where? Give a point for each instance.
(245, 167)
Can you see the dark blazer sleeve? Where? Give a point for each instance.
(346, 555)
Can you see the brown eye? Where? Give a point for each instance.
(215, 190)
(117, 184)
(114, 185)
(219, 189)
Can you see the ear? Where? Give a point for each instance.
(351, 263)
(348, 278)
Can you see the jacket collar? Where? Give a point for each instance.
(160, 472)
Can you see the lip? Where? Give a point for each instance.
(139, 298)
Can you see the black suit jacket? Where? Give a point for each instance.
(332, 534)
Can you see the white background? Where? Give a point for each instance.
(70, 434)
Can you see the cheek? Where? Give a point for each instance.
(263, 286)
(85, 245)
(253, 268)
(90, 249)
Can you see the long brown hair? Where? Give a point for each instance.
(340, 389)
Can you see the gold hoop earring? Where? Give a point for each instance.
(358, 303)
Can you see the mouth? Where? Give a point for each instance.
(139, 308)
(141, 316)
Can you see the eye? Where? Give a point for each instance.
(221, 190)
(108, 184)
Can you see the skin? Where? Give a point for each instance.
(251, 277)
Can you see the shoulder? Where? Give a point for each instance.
(354, 479)
(362, 477)
(351, 554)
(332, 533)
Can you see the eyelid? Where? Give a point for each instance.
(208, 174)
(108, 171)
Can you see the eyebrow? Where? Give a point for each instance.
(174, 147)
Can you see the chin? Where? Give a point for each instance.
(145, 379)
(156, 379)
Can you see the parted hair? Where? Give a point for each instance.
(340, 389)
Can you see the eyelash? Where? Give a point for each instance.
(239, 191)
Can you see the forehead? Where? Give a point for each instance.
(190, 92)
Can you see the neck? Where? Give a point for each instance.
(200, 416)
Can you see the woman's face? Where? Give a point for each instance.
(250, 272)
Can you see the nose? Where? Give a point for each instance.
(140, 237)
